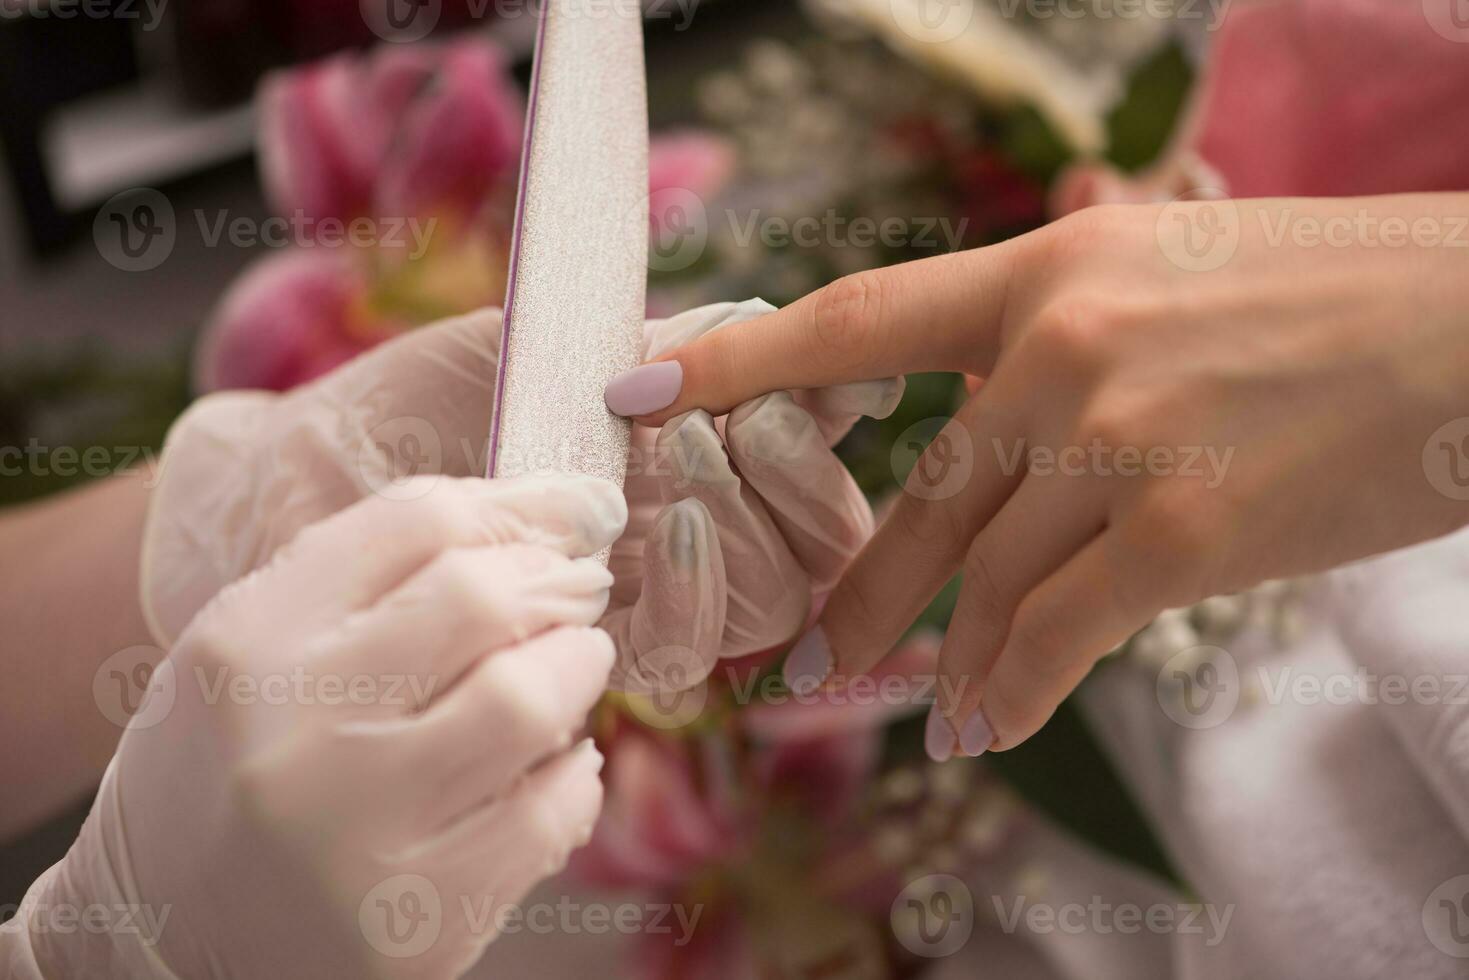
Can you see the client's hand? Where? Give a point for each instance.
(734, 526)
(1179, 400)
(355, 758)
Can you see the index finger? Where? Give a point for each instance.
(938, 314)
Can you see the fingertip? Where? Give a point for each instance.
(645, 391)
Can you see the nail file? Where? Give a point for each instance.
(578, 270)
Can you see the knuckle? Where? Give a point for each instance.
(460, 578)
(847, 318)
(1071, 334)
(518, 699)
(1084, 232)
(1109, 422)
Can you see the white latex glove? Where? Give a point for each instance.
(412, 780)
(724, 549)
(735, 524)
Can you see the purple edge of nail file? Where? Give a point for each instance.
(576, 292)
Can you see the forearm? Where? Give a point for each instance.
(69, 566)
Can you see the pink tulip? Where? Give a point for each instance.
(458, 145)
(657, 828)
(695, 160)
(291, 317)
(410, 130)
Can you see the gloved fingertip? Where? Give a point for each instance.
(773, 429)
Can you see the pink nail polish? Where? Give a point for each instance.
(976, 736)
(646, 388)
(809, 662)
(938, 737)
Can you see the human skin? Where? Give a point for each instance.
(1319, 358)
(70, 564)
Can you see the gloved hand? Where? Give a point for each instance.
(354, 759)
(733, 525)
(736, 524)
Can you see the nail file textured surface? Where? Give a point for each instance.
(574, 313)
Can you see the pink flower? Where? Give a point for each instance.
(683, 164)
(1327, 97)
(1312, 97)
(410, 130)
(692, 159)
(290, 318)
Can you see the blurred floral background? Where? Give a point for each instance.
(767, 118)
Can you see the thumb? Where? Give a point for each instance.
(938, 314)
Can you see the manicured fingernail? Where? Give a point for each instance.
(644, 389)
(808, 663)
(976, 736)
(938, 736)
